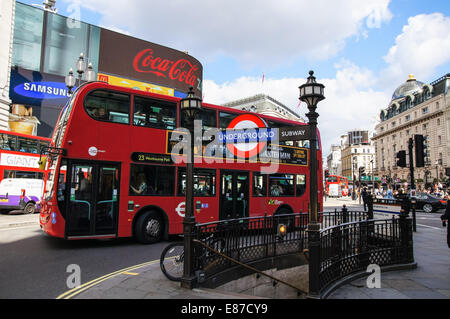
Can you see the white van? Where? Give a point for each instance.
(21, 193)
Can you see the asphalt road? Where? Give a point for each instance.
(33, 265)
(429, 220)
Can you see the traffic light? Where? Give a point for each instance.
(419, 150)
(401, 159)
(326, 174)
(362, 171)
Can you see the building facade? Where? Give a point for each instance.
(45, 45)
(357, 152)
(266, 105)
(416, 108)
(6, 39)
(334, 164)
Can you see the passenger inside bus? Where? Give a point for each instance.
(142, 188)
(276, 189)
(102, 114)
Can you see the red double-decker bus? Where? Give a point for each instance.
(112, 171)
(336, 186)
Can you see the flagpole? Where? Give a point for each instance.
(262, 83)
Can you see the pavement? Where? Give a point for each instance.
(430, 280)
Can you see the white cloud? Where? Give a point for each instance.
(423, 45)
(350, 101)
(252, 31)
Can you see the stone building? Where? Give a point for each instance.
(334, 161)
(357, 152)
(6, 39)
(416, 108)
(265, 105)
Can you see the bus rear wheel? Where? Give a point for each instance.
(149, 228)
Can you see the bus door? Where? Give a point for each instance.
(234, 195)
(93, 199)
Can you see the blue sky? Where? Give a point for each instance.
(360, 50)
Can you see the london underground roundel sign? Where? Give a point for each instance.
(247, 144)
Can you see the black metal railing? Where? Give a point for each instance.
(346, 243)
(329, 219)
(248, 239)
(349, 248)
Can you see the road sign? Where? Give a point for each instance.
(242, 122)
(294, 133)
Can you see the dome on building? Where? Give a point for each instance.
(410, 86)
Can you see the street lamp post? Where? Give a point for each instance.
(312, 92)
(191, 105)
(353, 177)
(81, 69)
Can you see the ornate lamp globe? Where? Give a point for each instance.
(191, 104)
(90, 73)
(311, 92)
(70, 81)
(81, 65)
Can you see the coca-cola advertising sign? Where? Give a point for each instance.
(149, 62)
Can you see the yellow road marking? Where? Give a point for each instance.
(75, 291)
(130, 273)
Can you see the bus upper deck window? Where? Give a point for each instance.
(108, 106)
(154, 113)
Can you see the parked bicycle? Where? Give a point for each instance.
(172, 257)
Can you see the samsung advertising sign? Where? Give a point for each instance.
(37, 99)
(42, 90)
(38, 89)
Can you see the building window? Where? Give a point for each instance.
(27, 40)
(64, 44)
(437, 105)
(439, 140)
(438, 122)
(424, 126)
(425, 110)
(408, 117)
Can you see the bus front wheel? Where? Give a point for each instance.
(149, 228)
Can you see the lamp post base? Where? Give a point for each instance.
(189, 282)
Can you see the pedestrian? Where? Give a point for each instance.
(364, 195)
(445, 219)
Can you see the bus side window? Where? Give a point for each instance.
(28, 145)
(8, 142)
(259, 185)
(300, 184)
(108, 106)
(153, 113)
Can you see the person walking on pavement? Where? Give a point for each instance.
(445, 219)
(364, 195)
